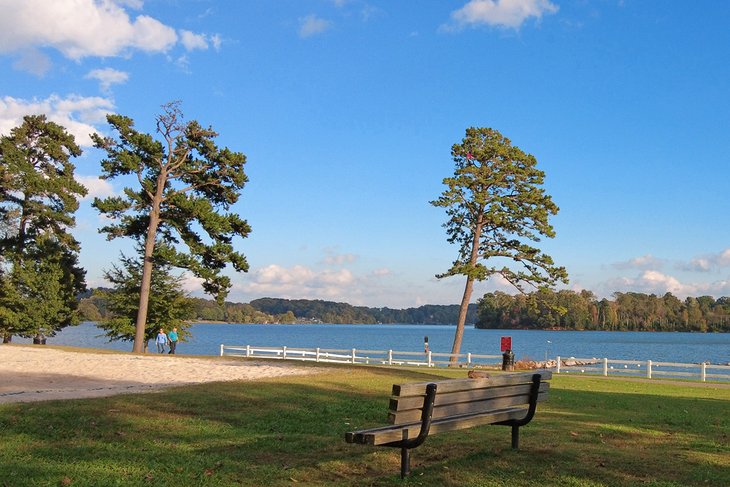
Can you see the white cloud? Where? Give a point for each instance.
(81, 28)
(299, 282)
(216, 40)
(653, 282)
(183, 62)
(192, 41)
(500, 13)
(644, 262)
(708, 263)
(191, 283)
(98, 188)
(76, 113)
(108, 77)
(333, 258)
(312, 25)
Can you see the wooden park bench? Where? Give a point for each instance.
(420, 409)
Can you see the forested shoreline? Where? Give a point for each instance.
(630, 311)
(540, 310)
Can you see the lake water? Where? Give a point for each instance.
(526, 344)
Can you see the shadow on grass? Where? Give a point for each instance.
(290, 431)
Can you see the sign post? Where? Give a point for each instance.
(508, 358)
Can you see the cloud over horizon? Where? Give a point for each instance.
(708, 262)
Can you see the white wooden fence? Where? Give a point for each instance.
(602, 366)
(644, 368)
(355, 356)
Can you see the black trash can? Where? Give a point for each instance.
(39, 339)
(508, 360)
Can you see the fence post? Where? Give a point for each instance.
(248, 351)
(390, 357)
(468, 359)
(557, 369)
(605, 367)
(648, 369)
(283, 354)
(317, 359)
(221, 349)
(353, 355)
(430, 363)
(703, 371)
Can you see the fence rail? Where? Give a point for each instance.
(643, 368)
(572, 365)
(357, 356)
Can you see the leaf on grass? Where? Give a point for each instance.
(573, 433)
(66, 481)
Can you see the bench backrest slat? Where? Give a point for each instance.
(465, 396)
(452, 385)
(469, 407)
(402, 403)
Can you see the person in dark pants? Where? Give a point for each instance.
(172, 337)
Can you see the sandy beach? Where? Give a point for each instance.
(38, 373)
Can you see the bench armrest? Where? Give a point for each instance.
(426, 414)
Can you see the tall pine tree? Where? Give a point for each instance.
(178, 211)
(496, 207)
(39, 271)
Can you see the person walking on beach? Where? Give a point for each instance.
(172, 337)
(161, 341)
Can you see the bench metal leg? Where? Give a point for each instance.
(405, 462)
(515, 437)
(405, 444)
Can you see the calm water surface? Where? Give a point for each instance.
(535, 345)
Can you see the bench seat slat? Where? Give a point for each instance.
(388, 434)
(461, 408)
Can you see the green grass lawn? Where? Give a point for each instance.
(289, 431)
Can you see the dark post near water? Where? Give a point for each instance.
(508, 357)
(425, 344)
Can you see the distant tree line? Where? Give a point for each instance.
(94, 306)
(339, 313)
(540, 310)
(547, 309)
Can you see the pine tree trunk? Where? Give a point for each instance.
(463, 309)
(149, 247)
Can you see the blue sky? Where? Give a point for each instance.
(347, 110)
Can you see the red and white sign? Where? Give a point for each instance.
(505, 343)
